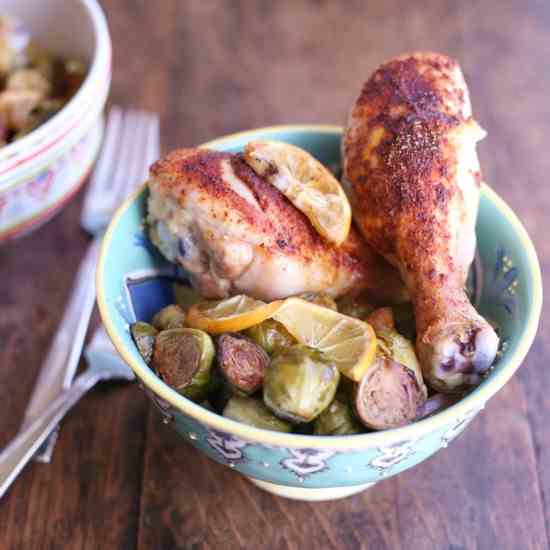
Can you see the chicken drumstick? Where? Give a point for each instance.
(412, 170)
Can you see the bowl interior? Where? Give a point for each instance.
(70, 29)
(134, 281)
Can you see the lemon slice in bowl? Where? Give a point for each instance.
(230, 315)
(349, 342)
(309, 186)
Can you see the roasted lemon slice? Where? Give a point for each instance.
(309, 186)
(230, 315)
(349, 342)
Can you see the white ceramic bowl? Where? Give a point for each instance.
(42, 171)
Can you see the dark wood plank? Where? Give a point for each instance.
(94, 479)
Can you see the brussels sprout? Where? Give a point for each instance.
(271, 335)
(388, 396)
(394, 346)
(436, 403)
(319, 298)
(168, 317)
(144, 337)
(253, 412)
(355, 306)
(186, 296)
(403, 315)
(337, 419)
(242, 362)
(183, 357)
(299, 384)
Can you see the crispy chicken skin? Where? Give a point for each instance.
(236, 233)
(411, 168)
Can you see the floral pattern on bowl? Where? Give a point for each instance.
(134, 282)
(24, 207)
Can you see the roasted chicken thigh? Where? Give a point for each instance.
(236, 233)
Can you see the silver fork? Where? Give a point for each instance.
(131, 144)
(14, 457)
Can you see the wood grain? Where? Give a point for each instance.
(121, 479)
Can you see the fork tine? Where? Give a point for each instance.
(131, 145)
(126, 159)
(100, 181)
(152, 152)
(130, 169)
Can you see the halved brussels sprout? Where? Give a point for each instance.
(299, 384)
(355, 306)
(271, 335)
(253, 412)
(395, 346)
(168, 317)
(242, 362)
(144, 337)
(388, 396)
(319, 298)
(337, 419)
(183, 357)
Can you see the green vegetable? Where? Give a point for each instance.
(271, 335)
(299, 384)
(242, 362)
(168, 317)
(337, 419)
(355, 306)
(393, 345)
(144, 337)
(320, 299)
(253, 412)
(183, 357)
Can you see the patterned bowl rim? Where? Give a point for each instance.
(36, 144)
(466, 406)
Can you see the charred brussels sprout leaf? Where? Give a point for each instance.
(253, 412)
(242, 362)
(337, 419)
(144, 337)
(271, 335)
(169, 317)
(183, 357)
(299, 384)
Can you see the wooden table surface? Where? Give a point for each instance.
(210, 68)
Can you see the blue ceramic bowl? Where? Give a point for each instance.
(133, 282)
